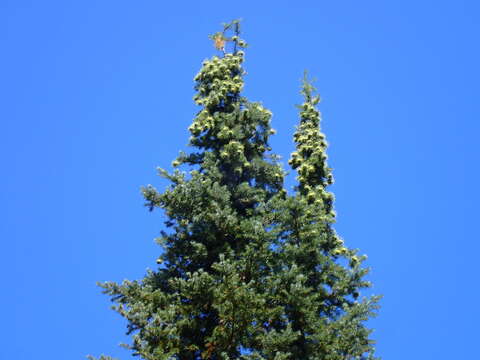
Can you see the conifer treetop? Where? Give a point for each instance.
(310, 158)
(246, 271)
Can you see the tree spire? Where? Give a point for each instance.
(206, 300)
(310, 158)
(326, 313)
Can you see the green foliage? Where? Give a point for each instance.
(102, 357)
(247, 271)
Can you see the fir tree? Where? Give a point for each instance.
(247, 271)
(324, 277)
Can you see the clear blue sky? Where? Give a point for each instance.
(95, 94)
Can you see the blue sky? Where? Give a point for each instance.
(95, 94)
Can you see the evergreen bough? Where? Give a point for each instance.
(247, 271)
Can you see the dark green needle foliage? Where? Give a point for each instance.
(322, 302)
(246, 271)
